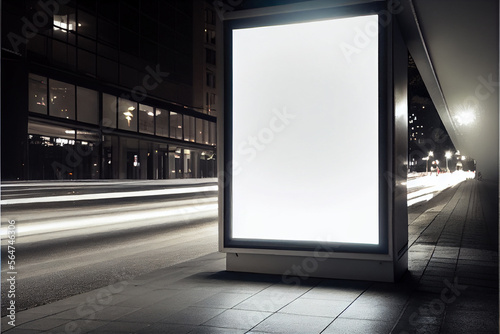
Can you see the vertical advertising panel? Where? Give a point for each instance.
(304, 135)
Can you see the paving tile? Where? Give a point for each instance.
(52, 308)
(420, 315)
(332, 294)
(136, 290)
(120, 327)
(467, 321)
(291, 324)
(374, 311)
(238, 319)
(111, 313)
(22, 317)
(267, 302)
(162, 328)
(420, 329)
(489, 283)
(478, 254)
(193, 315)
(190, 296)
(77, 326)
(475, 301)
(358, 326)
(43, 324)
(316, 307)
(71, 314)
(216, 330)
(15, 330)
(377, 298)
(224, 300)
(149, 314)
(148, 298)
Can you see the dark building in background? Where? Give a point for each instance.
(428, 141)
(107, 90)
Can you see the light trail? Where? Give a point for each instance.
(114, 195)
(120, 220)
(429, 186)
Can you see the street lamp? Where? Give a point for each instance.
(448, 155)
(431, 154)
(426, 164)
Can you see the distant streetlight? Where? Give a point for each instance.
(431, 154)
(448, 155)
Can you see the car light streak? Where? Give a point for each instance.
(118, 219)
(429, 186)
(115, 195)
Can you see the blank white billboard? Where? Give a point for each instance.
(305, 132)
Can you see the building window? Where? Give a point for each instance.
(62, 99)
(127, 114)
(209, 36)
(86, 24)
(175, 125)
(188, 162)
(162, 122)
(210, 56)
(213, 133)
(210, 101)
(109, 105)
(87, 105)
(37, 94)
(209, 16)
(199, 130)
(189, 131)
(65, 22)
(210, 79)
(206, 135)
(174, 162)
(146, 119)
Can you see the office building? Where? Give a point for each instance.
(105, 90)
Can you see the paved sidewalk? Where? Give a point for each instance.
(451, 287)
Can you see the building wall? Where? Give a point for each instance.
(205, 20)
(102, 89)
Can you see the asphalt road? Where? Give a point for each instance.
(64, 248)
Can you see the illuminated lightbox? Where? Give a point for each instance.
(305, 133)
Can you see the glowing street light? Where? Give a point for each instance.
(448, 155)
(431, 154)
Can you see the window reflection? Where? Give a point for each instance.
(187, 164)
(162, 122)
(175, 125)
(127, 114)
(174, 162)
(199, 130)
(146, 119)
(62, 99)
(189, 131)
(37, 94)
(212, 133)
(109, 107)
(87, 105)
(86, 24)
(65, 22)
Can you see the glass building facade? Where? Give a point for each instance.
(102, 90)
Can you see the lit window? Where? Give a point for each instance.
(37, 94)
(62, 99)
